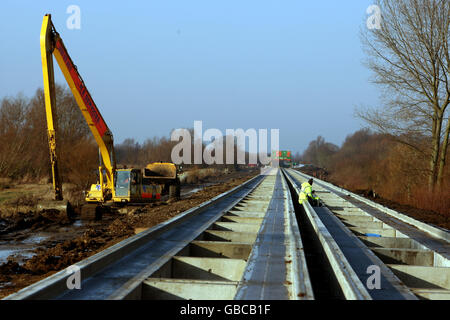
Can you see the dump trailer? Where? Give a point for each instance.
(114, 186)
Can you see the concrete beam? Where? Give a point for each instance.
(177, 289)
(217, 249)
(386, 242)
(220, 235)
(251, 220)
(236, 227)
(407, 256)
(207, 268)
(423, 277)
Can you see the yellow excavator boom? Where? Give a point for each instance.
(133, 185)
(52, 44)
(50, 102)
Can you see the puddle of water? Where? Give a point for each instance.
(36, 239)
(5, 253)
(192, 191)
(22, 250)
(78, 223)
(20, 254)
(5, 284)
(200, 188)
(21, 257)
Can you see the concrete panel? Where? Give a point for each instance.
(382, 232)
(432, 294)
(251, 207)
(352, 213)
(407, 256)
(356, 218)
(213, 249)
(401, 243)
(257, 196)
(365, 224)
(440, 261)
(241, 237)
(237, 227)
(255, 202)
(423, 277)
(207, 268)
(228, 218)
(177, 289)
(250, 214)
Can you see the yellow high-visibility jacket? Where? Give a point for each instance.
(306, 192)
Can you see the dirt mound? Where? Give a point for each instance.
(120, 228)
(10, 271)
(12, 267)
(32, 220)
(61, 256)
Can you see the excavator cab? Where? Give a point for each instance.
(127, 185)
(123, 183)
(131, 186)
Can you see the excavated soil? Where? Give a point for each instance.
(73, 244)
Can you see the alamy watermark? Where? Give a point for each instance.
(224, 146)
(375, 19)
(74, 279)
(73, 22)
(374, 281)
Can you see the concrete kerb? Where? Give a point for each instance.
(301, 284)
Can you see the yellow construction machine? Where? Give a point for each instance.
(114, 186)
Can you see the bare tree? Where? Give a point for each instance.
(410, 60)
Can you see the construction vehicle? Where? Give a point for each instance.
(114, 186)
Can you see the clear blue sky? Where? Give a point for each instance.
(152, 66)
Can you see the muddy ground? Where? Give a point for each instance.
(431, 217)
(44, 243)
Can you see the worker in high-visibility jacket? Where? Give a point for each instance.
(307, 194)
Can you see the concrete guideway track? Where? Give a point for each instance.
(226, 248)
(252, 243)
(413, 257)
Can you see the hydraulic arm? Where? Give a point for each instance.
(52, 45)
(115, 186)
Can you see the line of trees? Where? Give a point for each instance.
(131, 152)
(24, 152)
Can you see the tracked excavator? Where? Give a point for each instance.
(115, 187)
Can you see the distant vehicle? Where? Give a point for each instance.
(284, 158)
